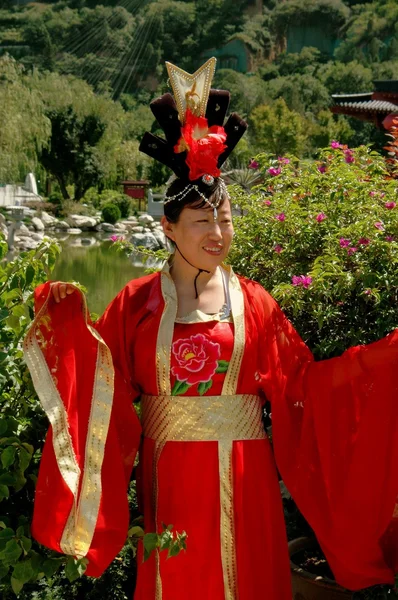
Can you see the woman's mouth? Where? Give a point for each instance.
(214, 250)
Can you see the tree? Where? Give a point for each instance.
(277, 130)
(25, 128)
(71, 154)
(349, 78)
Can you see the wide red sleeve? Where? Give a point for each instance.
(82, 378)
(335, 434)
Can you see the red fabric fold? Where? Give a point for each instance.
(70, 351)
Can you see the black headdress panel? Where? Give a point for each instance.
(165, 111)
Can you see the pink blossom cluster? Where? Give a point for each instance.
(116, 238)
(301, 280)
(321, 217)
(275, 171)
(253, 164)
(278, 248)
(390, 205)
(280, 217)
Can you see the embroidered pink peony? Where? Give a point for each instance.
(197, 359)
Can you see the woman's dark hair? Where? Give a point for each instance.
(214, 192)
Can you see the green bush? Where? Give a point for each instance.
(111, 213)
(121, 200)
(322, 238)
(335, 221)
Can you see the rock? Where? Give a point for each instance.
(37, 224)
(128, 224)
(137, 229)
(120, 227)
(74, 231)
(62, 225)
(147, 240)
(23, 231)
(87, 241)
(26, 243)
(132, 219)
(107, 227)
(83, 222)
(160, 238)
(48, 220)
(37, 236)
(2, 219)
(145, 219)
(153, 225)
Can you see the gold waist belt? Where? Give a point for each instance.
(202, 418)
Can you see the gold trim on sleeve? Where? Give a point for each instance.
(80, 526)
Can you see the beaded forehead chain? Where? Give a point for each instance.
(208, 180)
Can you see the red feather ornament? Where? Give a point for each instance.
(203, 145)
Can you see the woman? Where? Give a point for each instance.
(203, 349)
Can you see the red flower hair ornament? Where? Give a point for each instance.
(203, 145)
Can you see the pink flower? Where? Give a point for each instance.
(278, 249)
(382, 194)
(283, 160)
(390, 205)
(389, 238)
(301, 280)
(351, 250)
(379, 225)
(363, 242)
(196, 358)
(116, 238)
(348, 156)
(267, 202)
(280, 217)
(322, 168)
(253, 164)
(321, 217)
(372, 193)
(344, 243)
(334, 144)
(367, 292)
(273, 171)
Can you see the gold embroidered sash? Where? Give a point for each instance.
(223, 419)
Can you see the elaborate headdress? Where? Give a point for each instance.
(197, 141)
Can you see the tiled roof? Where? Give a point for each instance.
(368, 105)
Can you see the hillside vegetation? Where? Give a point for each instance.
(107, 60)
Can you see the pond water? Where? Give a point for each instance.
(99, 267)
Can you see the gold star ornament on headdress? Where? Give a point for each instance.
(191, 91)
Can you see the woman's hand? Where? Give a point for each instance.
(60, 290)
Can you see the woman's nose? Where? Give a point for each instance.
(215, 233)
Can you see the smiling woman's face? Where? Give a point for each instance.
(203, 241)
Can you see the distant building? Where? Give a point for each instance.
(235, 55)
(17, 195)
(378, 107)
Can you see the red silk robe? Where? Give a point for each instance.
(335, 433)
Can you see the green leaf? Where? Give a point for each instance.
(151, 542)
(26, 543)
(51, 565)
(3, 570)
(204, 386)
(222, 366)
(4, 492)
(174, 550)
(3, 426)
(7, 534)
(16, 586)
(12, 552)
(23, 571)
(7, 479)
(30, 274)
(180, 387)
(8, 456)
(136, 531)
(75, 568)
(24, 459)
